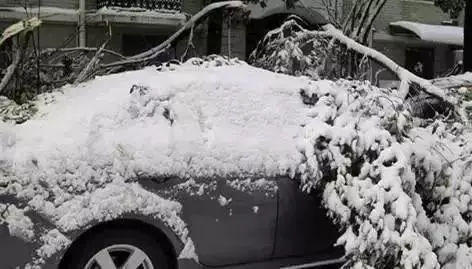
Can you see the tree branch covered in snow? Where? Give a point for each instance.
(303, 52)
(404, 75)
(142, 59)
(400, 190)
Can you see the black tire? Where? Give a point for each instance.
(86, 248)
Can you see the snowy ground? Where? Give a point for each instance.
(87, 144)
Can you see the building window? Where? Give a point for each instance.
(215, 29)
(135, 44)
(420, 61)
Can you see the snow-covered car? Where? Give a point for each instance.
(197, 166)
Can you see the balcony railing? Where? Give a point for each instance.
(170, 5)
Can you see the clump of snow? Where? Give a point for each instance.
(18, 223)
(188, 252)
(205, 62)
(53, 241)
(223, 201)
(194, 188)
(255, 209)
(250, 185)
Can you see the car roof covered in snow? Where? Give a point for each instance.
(198, 121)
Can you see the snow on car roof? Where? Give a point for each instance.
(201, 121)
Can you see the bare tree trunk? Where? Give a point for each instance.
(16, 61)
(365, 14)
(366, 30)
(349, 17)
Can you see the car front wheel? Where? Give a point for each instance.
(118, 249)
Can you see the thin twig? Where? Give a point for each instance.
(189, 44)
(84, 49)
(98, 54)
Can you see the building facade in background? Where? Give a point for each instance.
(417, 35)
(411, 32)
(136, 25)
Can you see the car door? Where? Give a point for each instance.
(303, 229)
(231, 221)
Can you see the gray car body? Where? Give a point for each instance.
(242, 225)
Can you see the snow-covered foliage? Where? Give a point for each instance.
(399, 190)
(10, 111)
(293, 50)
(387, 177)
(290, 49)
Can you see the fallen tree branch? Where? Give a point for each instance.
(151, 54)
(463, 80)
(25, 25)
(404, 75)
(81, 49)
(190, 44)
(190, 23)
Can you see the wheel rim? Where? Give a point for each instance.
(120, 257)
